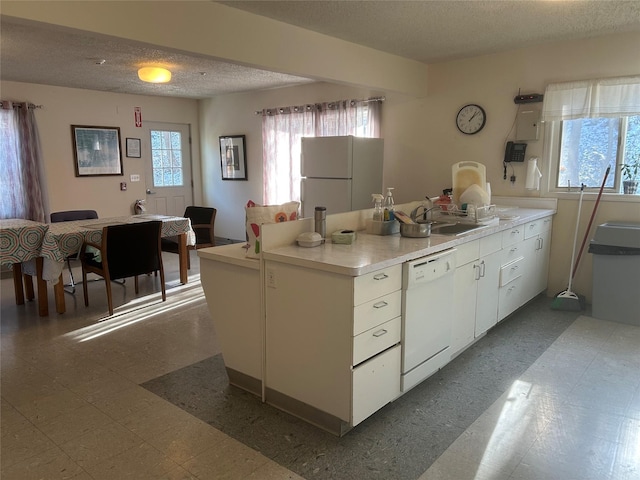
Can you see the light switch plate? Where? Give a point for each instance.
(135, 178)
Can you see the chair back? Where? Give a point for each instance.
(132, 249)
(202, 222)
(70, 215)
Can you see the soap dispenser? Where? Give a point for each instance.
(389, 208)
(378, 214)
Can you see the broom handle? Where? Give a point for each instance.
(593, 214)
(575, 237)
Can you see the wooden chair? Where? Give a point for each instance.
(68, 216)
(202, 223)
(125, 251)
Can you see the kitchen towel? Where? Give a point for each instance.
(533, 175)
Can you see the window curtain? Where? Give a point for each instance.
(605, 97)
(23, 183)
(283, 128)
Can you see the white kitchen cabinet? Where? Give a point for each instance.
(465, 291)
(332, 343)
(525, 264)
(237, 322)
(475, 307)
(537, 247)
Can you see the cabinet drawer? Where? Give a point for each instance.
(510, 297)
(511, 271)
(375, 340)
(375, 383)
(531, 229)
(467, 252)
(511, 253)
(376, 284)
(490, 244)
(513, 235)
(377, 311)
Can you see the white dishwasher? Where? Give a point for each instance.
(427, 296)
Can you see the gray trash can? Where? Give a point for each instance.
(616, 272)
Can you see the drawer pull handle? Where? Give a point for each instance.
(514, 268)
(380, 276)
(380, 332)
(380, 304)
(514, 249)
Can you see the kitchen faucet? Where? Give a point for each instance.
(414, 212)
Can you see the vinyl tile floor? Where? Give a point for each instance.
(78, 403)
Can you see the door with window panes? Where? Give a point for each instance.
(168, 171)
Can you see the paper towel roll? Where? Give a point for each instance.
(533, 175)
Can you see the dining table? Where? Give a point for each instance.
(20, 242)
(43, 256)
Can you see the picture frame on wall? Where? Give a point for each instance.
(96, 150)
(133, 148)
(233, 157)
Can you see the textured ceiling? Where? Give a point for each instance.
(436, 30)
(428, 31)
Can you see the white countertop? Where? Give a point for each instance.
(373, 252)
(234, 254)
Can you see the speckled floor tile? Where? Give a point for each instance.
(401, 440)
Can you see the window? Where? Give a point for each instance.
(592, 125)
(587, 146)
(166, 158)
(282, 129)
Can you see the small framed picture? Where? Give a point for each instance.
(96, 150)
(133, 147)
(233, 157)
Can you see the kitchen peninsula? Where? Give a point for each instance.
(320, 332)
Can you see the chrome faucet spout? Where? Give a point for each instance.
(414, 213)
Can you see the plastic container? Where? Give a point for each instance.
(389, 206)
(616, 272)
(373, 227)
(465, 174)
(378, 213)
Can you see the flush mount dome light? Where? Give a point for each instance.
(154, 75)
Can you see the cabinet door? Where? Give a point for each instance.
(487, 301)
(540, 250)
(375, 383)
(464, 305)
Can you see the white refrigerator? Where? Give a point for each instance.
(340, 173)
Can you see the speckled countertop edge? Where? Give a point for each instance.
(372, 252)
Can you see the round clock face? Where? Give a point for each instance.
(471, 119)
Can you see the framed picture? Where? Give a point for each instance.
(233, 157)
(133, 148)
(96, 150)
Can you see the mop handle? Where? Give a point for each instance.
(593, 214)
(575, 238)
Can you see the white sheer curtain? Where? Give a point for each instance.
(283, 128)
(604, 97)
(22, 185)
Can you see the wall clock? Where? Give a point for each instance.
(471, 119)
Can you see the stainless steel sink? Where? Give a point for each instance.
(453, 228)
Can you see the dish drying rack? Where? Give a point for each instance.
(476, 215)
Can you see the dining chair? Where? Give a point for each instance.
(68, 216)
(202, 223)
(125, 251)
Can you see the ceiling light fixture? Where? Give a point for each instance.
(154, 75)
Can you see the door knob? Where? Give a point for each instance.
(149, 192)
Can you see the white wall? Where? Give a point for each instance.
(235, 115)
(421, 139)
(63, 107)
